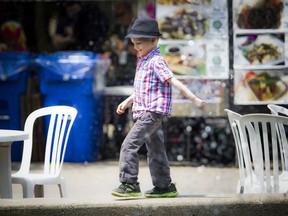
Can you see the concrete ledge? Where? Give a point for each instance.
(198, 205)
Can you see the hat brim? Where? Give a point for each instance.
(142, 36)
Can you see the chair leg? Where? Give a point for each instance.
(240, 188)
(62, 188)
(28, 189)
(39, 190)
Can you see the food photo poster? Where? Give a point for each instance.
(260, 14)
(260, 86)
(195, 37)
(259, 50)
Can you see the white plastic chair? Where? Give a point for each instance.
(278, 110)
(60, 123)
(261, 136)
(242, 155)
(281, 111)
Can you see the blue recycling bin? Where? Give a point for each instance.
(14, 73)
(76, 79)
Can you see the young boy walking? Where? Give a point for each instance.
(151, 104)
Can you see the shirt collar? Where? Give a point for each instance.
(156, 51)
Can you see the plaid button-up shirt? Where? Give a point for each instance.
(152, 91)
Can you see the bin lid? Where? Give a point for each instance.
(12, 63)
(75, 64)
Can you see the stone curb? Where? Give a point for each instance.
(230, 205)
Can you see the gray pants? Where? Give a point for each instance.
(147, 129)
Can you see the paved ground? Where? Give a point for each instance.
(96, 180)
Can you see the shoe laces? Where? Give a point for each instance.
(159, 190)
(156, 189)
(126, 185)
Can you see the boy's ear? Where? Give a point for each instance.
(154, 40)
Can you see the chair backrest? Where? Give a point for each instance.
(282, 111)
(278, 110)
(233, 118)
(259, 133)
(61, 119)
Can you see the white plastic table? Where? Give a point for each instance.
(7, 137)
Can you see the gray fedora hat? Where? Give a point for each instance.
(144, 28)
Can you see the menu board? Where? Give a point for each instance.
(195, 45)
(195, 37)
(260, 51)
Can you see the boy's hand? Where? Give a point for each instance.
(125, 104)
(120, 109)
(199, 103)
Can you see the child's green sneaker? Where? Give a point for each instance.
(156, 192)
(127, 190)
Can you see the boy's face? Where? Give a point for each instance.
(144, 45)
